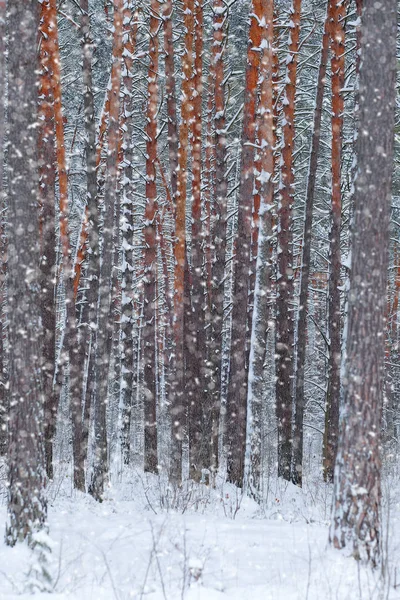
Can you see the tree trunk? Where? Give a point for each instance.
(284, 347)
(357, 491)
(262, 291)
(170, 94)
(297, 467)
(178, 401)
(105, 322)
(48, 263)
(150, 260)
(238, 372)
(3, 243)
(128, 363)
(70, 350)
(337, 15)
(199, 415)
(26, 502)
(216, 242)
(91, 240)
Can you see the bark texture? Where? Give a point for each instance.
(357, 491)
(263, 275)
(284, 282)
(90, 241)
(47, 200)
(26, 502)
(105, 322)
(297, 466)
(337, 16)
(217, 192)
(181, 299)
(129, 383)
(150, 236)
(238, 373)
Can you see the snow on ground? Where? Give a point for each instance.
(134, 546)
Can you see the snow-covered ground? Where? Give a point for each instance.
(134, 545)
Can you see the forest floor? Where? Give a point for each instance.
(205, 545)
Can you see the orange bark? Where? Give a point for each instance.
(180, 224)
(209, 188)
(130, 36)
(196, 127)
(178, 401)
(170, 93)
(46, 112)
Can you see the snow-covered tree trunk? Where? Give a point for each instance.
(170, 94)
(199, 415)
(181, 281)
(70, 349)
(48, 263)
(105, 322)
(3, 258)
(301, 346)
(238, 372)
(357, 492)
(88, 251)
(150, 238)
(217, 191)
(337, 13)
(26, 503)
(285, 275)
(128, 354)
(262, 292)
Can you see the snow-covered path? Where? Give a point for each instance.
(119, 550)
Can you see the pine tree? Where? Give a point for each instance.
(150, 238)
(105, 325)
(285, 273)
(357, 492)
(238, 372)
(26, 502)
(305, 264)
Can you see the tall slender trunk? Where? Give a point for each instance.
(284, 347)
(150, 259)
(170, 94)
(128, 362)
(262, 292)
(297, 466)
(216, 238)
(238, 372)
(357, 490)
(337, 14)
(392, 353)
(3, 242)
(87, 342)
(48, 263)
(199, 415)
(178, 400)
(105, 322)
(70, 349)
(26, 502)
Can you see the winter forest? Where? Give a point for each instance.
(199, 299)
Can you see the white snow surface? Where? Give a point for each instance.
(208, 545)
